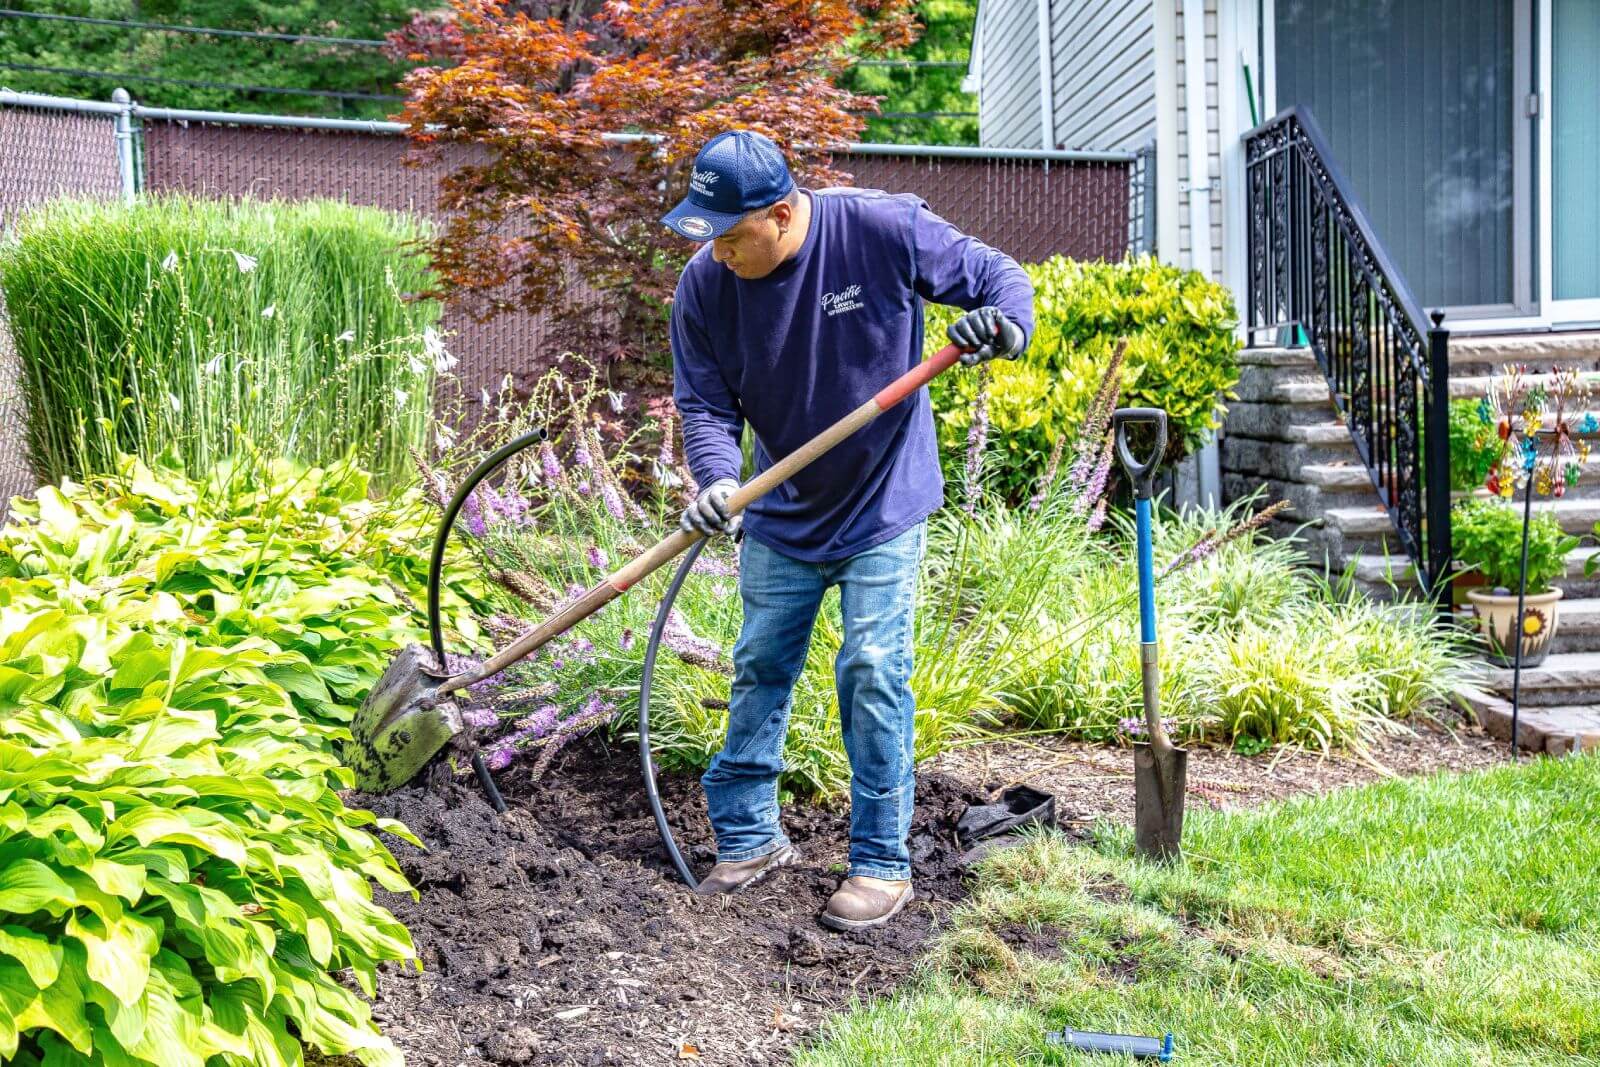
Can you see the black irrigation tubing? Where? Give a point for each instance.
(487, 466)
(646, 680)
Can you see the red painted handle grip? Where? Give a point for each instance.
(917, 377)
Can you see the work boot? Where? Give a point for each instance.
(861, 902)
(731, 877)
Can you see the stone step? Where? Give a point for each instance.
(1554, 729)
(1377, 569)
(1323, 434)
(1473, 387)
(1471, 356)
(1286, 460)
(1576, 517)
(1565, 678)
(1488, 354)
(1306, 501)
(1304, 384)
(1340, 477)
(1293, 358)
(1276, 422)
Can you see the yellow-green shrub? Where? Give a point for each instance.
(1181, 357)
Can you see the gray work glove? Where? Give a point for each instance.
(985, 334)
(709, 512)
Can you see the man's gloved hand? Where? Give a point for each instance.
(709, 512)
(986, 333)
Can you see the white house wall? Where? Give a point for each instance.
(1210, 261)
(1104, 64)
(1008, 95)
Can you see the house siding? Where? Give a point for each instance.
(1210, 259)
(1008, 93)
(1104, 63)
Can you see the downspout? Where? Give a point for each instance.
(1209, 465)
(1047, 78)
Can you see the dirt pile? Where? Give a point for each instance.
(557, 933)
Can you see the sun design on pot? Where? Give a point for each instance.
(1533, 623)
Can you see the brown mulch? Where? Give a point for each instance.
(1094, 781)
(557, 934)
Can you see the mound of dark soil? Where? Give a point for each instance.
(558, 933)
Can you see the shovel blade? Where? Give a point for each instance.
(1159, 780)
(402, 724)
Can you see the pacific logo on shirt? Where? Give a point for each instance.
(847, 299)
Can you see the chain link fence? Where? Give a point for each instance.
(1031, 205)
(45, 152)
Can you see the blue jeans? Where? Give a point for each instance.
(877, 595)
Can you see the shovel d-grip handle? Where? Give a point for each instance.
(1140, 472)
(669, 547)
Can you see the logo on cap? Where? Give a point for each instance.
(701, 181)
(694, 226)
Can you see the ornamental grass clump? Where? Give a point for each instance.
(199, 324)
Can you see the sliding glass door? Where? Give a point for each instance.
(1419, 103)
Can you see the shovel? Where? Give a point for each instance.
(1160, 769)
(409, 714)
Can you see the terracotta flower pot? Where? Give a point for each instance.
(1461, 584)
(1497, 621)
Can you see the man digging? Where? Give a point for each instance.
(802, 306)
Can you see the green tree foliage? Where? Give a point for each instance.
(336, 68)
(946, 38)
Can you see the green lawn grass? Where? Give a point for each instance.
(1453, 919)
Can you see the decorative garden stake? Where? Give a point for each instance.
(1520, 410)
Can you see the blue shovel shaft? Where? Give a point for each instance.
(1147, 573)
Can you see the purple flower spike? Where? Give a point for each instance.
(479, 718)
(548, 463)
(543, 720)
(1133, 727)
(500, 757)
(472, 511)
(583, 487)
(613, 502)
(581, 456)
(625, 642)
(597, 557)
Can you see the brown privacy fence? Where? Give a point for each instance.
(1029, 204)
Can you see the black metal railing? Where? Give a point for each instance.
(1318, 273)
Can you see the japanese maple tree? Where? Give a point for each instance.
(550, 211)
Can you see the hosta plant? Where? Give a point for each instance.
(179, 878)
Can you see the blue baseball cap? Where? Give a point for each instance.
(735, 173)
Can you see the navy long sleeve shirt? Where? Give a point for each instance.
(795, 351)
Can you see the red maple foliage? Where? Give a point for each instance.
(549, 210)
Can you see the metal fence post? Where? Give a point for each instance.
(1436, 469)
(125, 157)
